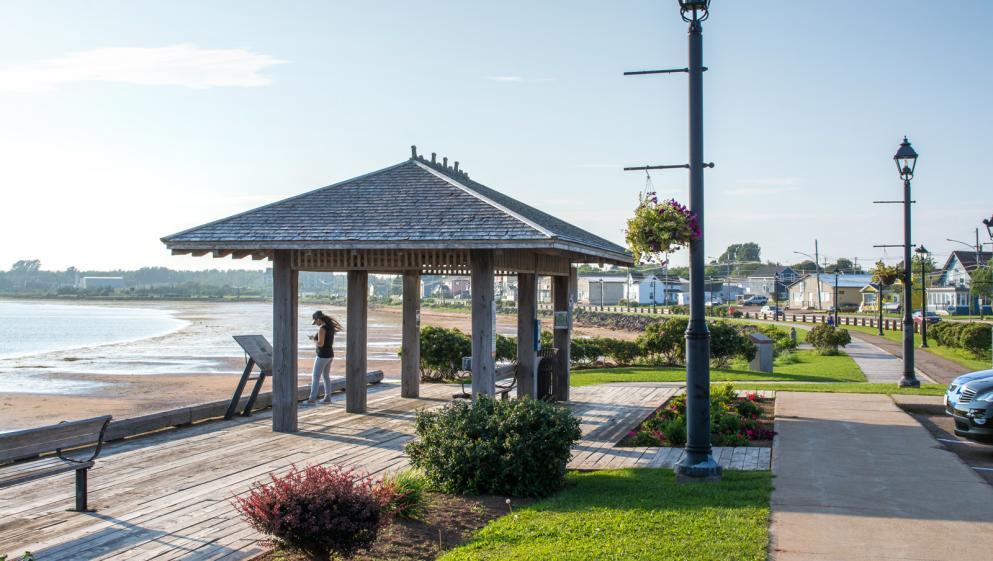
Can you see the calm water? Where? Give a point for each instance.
(28, 328)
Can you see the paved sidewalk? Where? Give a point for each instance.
(878, 365)
(856, 478)
(939, 369)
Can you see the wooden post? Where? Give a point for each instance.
(356, 341)
(527, 314)
(563, 288)
(483, 324)
(284, 347)
(410, 358)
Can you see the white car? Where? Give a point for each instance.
(954, 390)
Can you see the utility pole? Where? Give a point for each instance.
(817, 272)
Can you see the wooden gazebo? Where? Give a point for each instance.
(417, 217)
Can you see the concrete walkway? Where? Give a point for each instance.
(878, 365)
(933, 366)
(856, 478)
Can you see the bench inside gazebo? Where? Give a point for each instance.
(420, 216)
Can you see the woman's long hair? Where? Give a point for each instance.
(328, 321)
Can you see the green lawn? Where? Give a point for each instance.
(811, 368)
(634, 515)
(959, 356)
(925, 389)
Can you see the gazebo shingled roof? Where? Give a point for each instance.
(416, 204)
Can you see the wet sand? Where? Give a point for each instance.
(197, 364)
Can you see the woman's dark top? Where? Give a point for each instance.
(327, 350)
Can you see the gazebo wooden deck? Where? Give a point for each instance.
(420, 216)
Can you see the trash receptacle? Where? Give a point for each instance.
(546, 365)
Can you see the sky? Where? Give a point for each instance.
(125, 121)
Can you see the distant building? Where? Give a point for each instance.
(769, 279)
(952, 293)
(602, 290)
(654, 287)
(803, 293)
(90, 283)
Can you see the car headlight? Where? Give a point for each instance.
(987, 397)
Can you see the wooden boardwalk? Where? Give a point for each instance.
(168, 496)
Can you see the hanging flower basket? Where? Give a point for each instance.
(658, 228)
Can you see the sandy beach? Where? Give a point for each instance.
(196, 364)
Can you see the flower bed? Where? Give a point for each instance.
(735, 421)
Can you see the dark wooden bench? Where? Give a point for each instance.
(506, 379)
(22, 460)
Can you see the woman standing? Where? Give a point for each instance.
(327, 327)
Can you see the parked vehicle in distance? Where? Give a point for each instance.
(931, 318)
(756, 300)
(955, 388)
(891, 307)
(973, 410)
(771, 310)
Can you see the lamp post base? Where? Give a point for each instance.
(707, 470)
(910, 383)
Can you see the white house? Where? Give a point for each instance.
(645, 287)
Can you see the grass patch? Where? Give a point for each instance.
(958, 356)
(810, 368)
(634, 514)
(888, 389)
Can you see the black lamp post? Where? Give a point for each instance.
(988, 222)
(698, 462)
(906, 161)
(879, 307)
(922, 254)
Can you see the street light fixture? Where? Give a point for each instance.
(699, 10)
(922, 254)
(906, 162)
(988, 222)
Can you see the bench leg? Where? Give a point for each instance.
(81, 492)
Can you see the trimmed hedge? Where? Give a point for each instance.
(976, 338)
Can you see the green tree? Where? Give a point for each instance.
(741, 252)
(982, 285)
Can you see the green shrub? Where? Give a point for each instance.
(976, 338)
(727, 342)
(788, 357)
(621, 352)
(405, 494)
(827, 338)
(664, 342)
(506, 348)
(518, 448)
(585, 351)
(441, 353)
(781, 340)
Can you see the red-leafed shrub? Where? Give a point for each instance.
(318, 511)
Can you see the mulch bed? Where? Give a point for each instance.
(450, 521)
(765, 421)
